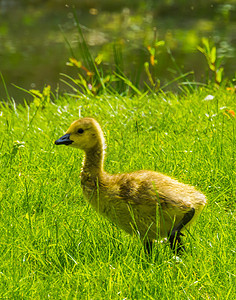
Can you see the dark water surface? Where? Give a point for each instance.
(33, 50)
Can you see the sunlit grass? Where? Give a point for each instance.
(53, 245)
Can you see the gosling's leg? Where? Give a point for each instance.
(174, 237)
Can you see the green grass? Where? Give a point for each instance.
(54, 246)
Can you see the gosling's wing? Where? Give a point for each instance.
(150, 190)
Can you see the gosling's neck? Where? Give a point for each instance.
(93, 162)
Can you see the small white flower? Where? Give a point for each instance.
(209, 97)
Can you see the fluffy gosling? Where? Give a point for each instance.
(146, 202)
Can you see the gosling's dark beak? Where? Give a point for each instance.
(64, 140)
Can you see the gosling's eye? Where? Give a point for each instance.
(80, 130)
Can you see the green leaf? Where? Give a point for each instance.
(159, 43)
(36, 93)
(219, 74)
(212, 67)
(213, 55)
(205, 43)
(99, 59)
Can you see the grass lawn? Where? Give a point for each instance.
(54, 246)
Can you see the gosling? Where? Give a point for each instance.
(147, 203)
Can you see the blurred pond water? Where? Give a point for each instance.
(33, 49)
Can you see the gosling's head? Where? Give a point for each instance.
(84, 134)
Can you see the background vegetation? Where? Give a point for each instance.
(33, 50)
